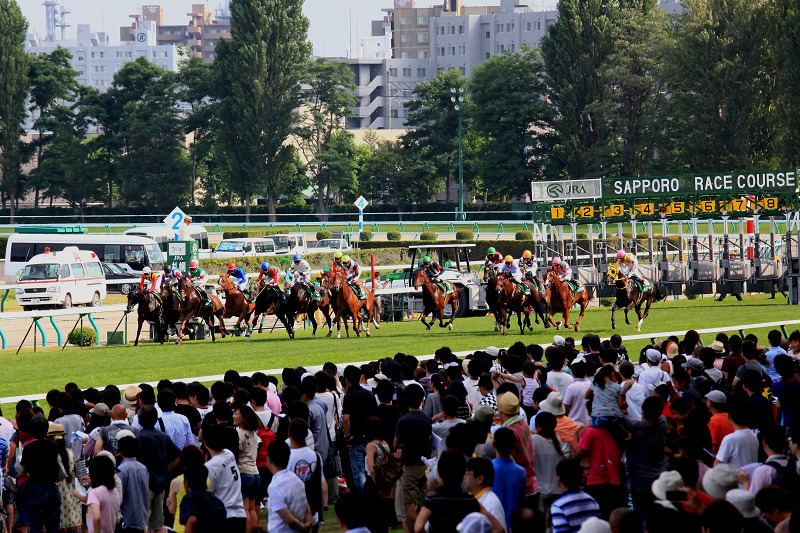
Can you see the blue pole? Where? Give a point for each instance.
(3, 300)
(3, 337)
(41, 330)
(91, 321)
(58, 332)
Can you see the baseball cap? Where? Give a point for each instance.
(694, 364)
(717, 396)
(558, 340)
(100, 409)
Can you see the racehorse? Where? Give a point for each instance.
(271, 301)
(347, 304)
(192, 306)
(492, 296)
(299, 301)
(236, 303)
(170, 306)
(629, 296)
(435, 299)
(513, 300)
(149, 309)
(538, 300)
(560, 299)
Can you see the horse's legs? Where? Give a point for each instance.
(313, 318)
(566, 316)
(453, 302)
(440, 307)
(520, 323)
(582, 303)
(646, 312)
(613, 322)
(210, 323)
(139, 330)
(179, 340)
(425, 311)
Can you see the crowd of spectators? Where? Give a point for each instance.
(559, 439)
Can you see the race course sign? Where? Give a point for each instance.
(702, 183)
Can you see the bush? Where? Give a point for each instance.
(465, 235)
(523, 236)
(428, 236)
(235, 234)
(325, 234)
(365, 236)
(607, 302)
(393, 235)
(89, 336)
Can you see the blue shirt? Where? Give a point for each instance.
(177, 428)
(571, 510)
(771, 354)
(509, 484)
(238, 273)
(136, 494)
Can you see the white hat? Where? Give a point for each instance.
(717, 396)
(553, 404)
(124, 433)
(744, 500)
(558, 340)
(474, 523)
(719, 480)
(595, 525)
(654, 386)
(494, 351)
(654, 356)
(667, 481)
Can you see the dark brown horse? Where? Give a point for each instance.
(512, 299)
(630, 296)
(236, 303)
(192, 306)
(348, 305)
(560, 299)
(435, 299)
(270, 300)
(492, 295)
(300, 301)
(149, 309)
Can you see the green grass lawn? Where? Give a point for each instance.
(31, 373)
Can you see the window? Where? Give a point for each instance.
(154, 53)
(439, 70)
(439, 30)
(463, 70)
(451, 30)
(499, 49)
(513, 47)
(421, 72)
(499, 28)
(102, 54)
(461, 29)
(394, 113)
(117, 54)
(509, 27)
(80, 73)
(407, 72)
(262, 246)
(405, 20)
(392, 72)
(451, 50)
(423, 54)
(407, 93)
(404, 38)
(96, 68)
(440, 51)
(128, 54)
(537, 25)
(527, 26)
(488, 55)
(78, 269)
(462, 50)
(65, 273)
(422, 37)
(80, 58)
(94, 270)
(488, 34)
(92, 55)
(422, 20)
(405, 55)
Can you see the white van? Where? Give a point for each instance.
(163, 235)
(61, 279)
(244, 247)
(289, 243)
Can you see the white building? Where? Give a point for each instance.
(96, 61)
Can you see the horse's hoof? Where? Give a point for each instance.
(613, 326)
(558, 326)
(329, 335)
(178, 341)
(450, 327)
(367, 332)
(627, 321)
(313, 336)
(427, 327)
(577, 328)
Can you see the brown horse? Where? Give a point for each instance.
(434, 299)
(490, 274)
(560, 299)
(347, 305)
(192, 306)
(629, 296)
(236, 303)
(513, 300)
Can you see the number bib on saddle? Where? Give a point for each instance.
(577, 286)
(446, 287)
(524, 288)
(360, 292)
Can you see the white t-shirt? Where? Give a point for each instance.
(559, 381)
(575, 397)
(286, 491)
(652, 374)
(739, 448)
(226, 483)
(327, 399)
(248, 450)
(265, 417)
(635, 398)
(303, 463)
(473, 391)
(492, 503)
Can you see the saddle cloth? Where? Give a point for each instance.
(524, 288)
(446, 286)
(359, 290)
(576, 286)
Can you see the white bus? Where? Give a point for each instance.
(129, 252)
(163, 234)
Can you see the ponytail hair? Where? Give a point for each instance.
(546, 426)
(601, 375)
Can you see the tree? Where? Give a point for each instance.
(393, 175)
(194, 77)
(13, 93)
(509, 111)
(257, 85)
(575, 52)
(327, 101)
(52, 79)
(434, 122)
(335, 166)
(787, 50)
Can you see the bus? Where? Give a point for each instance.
(163, 235)
(129, 252)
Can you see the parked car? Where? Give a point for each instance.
(118, 279)
(289, 243)
(247, 246)
(61, 279)
(331, 245)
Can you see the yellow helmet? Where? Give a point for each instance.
(508, 259)
(527, 254)
(345, 259)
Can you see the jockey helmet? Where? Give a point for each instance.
(176, 272)
(620, 254)
(508, 259)
(296, 257)
(345, 259)
(326, 268)
(556, 260)
(194, 264)
(527, 254)
(146, 270)
(231, 266)
(337, 255)
(426, 260)
(264, 266)
(491, 251)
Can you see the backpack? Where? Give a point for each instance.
(266, 436)
(387, 470)
(788, 479)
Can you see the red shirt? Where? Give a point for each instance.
(524, 455)
(719, 426)
(602, 454)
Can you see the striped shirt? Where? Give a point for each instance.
(3, 454)
(571, 510)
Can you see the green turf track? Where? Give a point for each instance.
(31, 373)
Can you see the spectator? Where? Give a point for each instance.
(183, 406)
(478, 481)
(574, 506)
(433, 403)
(413, 437)
(158, 454)
(604, 456)
(508, 409)
(787, 390)
(247, 425)
(751, 354)
(199, 398)
(350, 512)
(135, 479)
(645, 453)
(547, 453)
(224, 479)
(472, 381)
(40, 463)
(720, 425)
(190, 456)
(377, 448)
(107, 436)
(652, 372)
(486, 388)
(103, 500)
(71, 514)
(775, 506)
(575, 395)
(565, 426)
(761, 413)
(177, 427)
(317, 420)
(773, 442)
(450, 411)
(557, 379)
(71, 422)
(774, 337)
(386, 412)
(306, 464)
(740, 447)
(510, 478)
(719, 480)
(357, 403)
(745, 503)
(200, 510)
(732, 362)
(287, 504)
(636, 393)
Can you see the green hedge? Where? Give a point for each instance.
(365, 236)
(393, 235)
(325, 234)
(3, 244)
(465, 235)
(250, 234)
(428, 236)
(523, 236)
(89, 336)
(383, 256)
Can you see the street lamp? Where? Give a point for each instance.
(458, 104)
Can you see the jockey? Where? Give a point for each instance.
(196, 275)
(562, 270)
(629, 266)
(151, 281)
(302, 268)
(509, 267)
(493, 258)
(432, 269)
(528, 264)
(351, 268)
(269, 273)
(337, 260)
(239, 276)
(171, 276)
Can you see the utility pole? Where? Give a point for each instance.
(458, 101)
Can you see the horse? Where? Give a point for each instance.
(537, 300)
(513, 300)
(435, 299)
(560, 298)
(149, 309)
(492, 296)
(270, 301)
(192, 307)
(299, 301)
(347, 305)
(629, 296)
(170, 306)
(236, 303)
